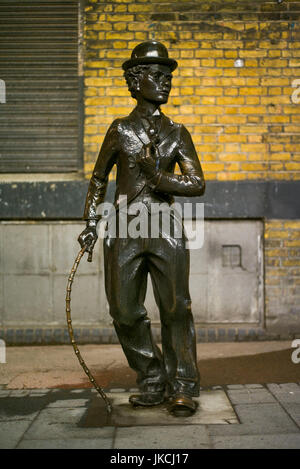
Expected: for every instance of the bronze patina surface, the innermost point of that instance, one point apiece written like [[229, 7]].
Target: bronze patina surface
[[145, 146]]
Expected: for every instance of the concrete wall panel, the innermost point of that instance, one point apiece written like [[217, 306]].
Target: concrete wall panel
[[37, 259]]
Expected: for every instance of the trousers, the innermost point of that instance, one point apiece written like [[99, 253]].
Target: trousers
[[128, 261]]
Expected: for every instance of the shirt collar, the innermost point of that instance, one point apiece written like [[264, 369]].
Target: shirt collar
[[144, 115]]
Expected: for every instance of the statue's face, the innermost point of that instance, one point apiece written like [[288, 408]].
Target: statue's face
[[155, 84]]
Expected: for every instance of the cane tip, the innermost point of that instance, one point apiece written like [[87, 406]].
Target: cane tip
[[90, 257]]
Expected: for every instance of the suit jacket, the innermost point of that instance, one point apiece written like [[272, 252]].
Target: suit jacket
[[123, 145]]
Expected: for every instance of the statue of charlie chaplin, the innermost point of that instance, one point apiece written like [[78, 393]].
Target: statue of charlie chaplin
[[145, 146]]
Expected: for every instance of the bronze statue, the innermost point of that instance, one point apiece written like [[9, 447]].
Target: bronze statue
[[145, 146]]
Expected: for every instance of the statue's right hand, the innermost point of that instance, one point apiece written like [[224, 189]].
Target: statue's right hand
[[88, 238]]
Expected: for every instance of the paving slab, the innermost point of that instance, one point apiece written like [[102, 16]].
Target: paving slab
[[77, 391], [39, 392], [257, 419], [213, 407], [284, 387], [163, 437], [70, 403], [19, 408], [287, 392], [249, 395], [12, 432], [57, 423], [293, 409], [253, 386], [235, 386], [287, 441], [65, 443], [19, 393]]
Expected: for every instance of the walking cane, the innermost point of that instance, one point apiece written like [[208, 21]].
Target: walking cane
[[71, 332]]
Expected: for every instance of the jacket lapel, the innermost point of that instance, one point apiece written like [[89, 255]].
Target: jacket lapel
[[167, 126], [138, 128]]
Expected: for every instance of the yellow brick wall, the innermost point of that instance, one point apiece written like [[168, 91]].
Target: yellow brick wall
[[282, 274], [243, 121]]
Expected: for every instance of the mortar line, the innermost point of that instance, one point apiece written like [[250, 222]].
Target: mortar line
[[210, 442], [114, 437], [232, 405], [29, 426]]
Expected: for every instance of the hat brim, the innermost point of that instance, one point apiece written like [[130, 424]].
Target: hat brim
[[150, 60]]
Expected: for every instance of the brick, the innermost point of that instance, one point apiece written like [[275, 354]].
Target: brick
[[292, 166], [120, 110], [232, 157], [253, 91], [117, 91], [119, 35], [232, 166], [126, 18], [230, 100], [98, 81], [291, 262], [294, 234], [232, 138], [102, 101], [253, 110], [139, 7], [275, 252], [213, 166], [254, 147], [120, 8], [90, 73], [187, 53], [213, 72], [231, 91], [119, 44], [186, 45], [292, 224], [207, 63], [276, 234], [209, 91], [226, 119], [208, 110], [231, 176], [230, 54], [208, 53], [292, 243]]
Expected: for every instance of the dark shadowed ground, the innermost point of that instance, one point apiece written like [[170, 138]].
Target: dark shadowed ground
[[272, 367], [219, 364]]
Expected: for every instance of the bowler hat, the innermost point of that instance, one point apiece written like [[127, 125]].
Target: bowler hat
[[150, 52]]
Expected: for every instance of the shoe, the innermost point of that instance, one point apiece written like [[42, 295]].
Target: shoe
[[182, 405], [147, 399]]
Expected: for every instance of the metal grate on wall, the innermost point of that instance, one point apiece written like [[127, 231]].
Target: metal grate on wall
[[39, 123]]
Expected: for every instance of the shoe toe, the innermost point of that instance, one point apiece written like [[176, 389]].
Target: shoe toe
[[182, 406]]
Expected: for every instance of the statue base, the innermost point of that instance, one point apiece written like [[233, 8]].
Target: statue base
[[213, 408]]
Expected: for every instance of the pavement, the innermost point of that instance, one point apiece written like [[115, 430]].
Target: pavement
[[46, 402]]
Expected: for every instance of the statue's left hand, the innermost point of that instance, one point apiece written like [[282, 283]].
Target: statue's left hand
[[147, 162]]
